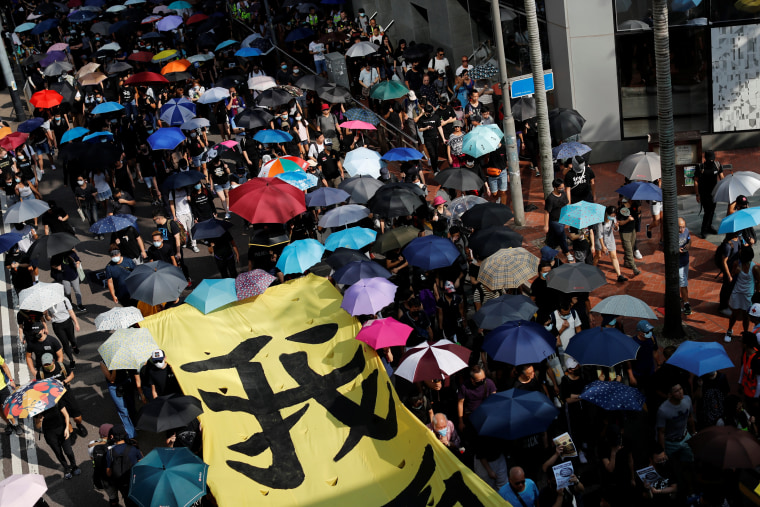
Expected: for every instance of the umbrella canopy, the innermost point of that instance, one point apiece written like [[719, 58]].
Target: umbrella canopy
[[195, 123], [22, 490], [381, 333], [482, 140], [509, 268], [169, 412], [14, 140], [641, 166], [726, 447], [311, 82], [431, 252], [300, 180], [368, 296], [177, 111], [116, 67], [524, 108], [601, 346], [488, 214], [363, 161], [582, 214], [575, 278], [395, 238], [118, 318], [432, 361], [564, 123], [210, 229], [49, 245], [733, 185], [300, 255], [41, 296], [343, 215], [166, 138], [46, 99], [30, 125], [506, 308], [739, 220], [168, 23], [141, 56], [486, 242], [24, 27], [357, 125], [459, 179], [519, 342], [391, 202], [252, 283], [354, 271], [343, 256], [326, 196], [513, 414], [127, 349], [281, 165], [403, 155], [156, 282], [362, 115], [33, 398], [267, 200], [355, 238], [613, 396], [73, 134], [168, 476], [484, 71], [147, 77], [360, 49], [182, 179], [248, 52], [361, 188], [25, 210], [641, 191], [211, 294], [9, 240], [261, 83], [179, 5], [92, 79], [226, 44], [460, 205], [700, 358], [624, 305], [273, 97], [107, 107], [388, 90], [569, 150], [253, 118], [270, 136], [333, 93]]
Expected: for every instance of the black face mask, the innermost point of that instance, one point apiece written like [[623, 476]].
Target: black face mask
[[414, 315], [479, 382]]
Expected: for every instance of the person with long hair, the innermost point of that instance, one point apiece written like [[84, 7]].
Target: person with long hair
[[604, 241]]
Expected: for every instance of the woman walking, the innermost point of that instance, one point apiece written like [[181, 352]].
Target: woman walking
[[604, 241]]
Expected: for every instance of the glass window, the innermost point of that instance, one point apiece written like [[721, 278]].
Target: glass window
[[734, 10], [632, 15]]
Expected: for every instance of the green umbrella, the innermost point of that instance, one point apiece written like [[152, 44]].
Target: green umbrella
[[388, 90], [395, 238], [127, 349], [168, 476]]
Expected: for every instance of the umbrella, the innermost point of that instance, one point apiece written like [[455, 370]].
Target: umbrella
[[196, 18], [9, 240], [226, 44], [281, 165], [213, 95], [41, 296], [343, 215], [486, 242], [575, 278], [118, 318], [460, 205], [381, 333], [641, 191], [740, 220], [519, 342], [736, 184], [195, 123], [459, 179], [508, 268], [273, 97], [52, 57], [726, 447], [4, 131], [24, 27], [300, 255], [175, 66], [210, 229], [488, 214], [298, 34], [156, 282], [368, 296], [200, 58], [431, 361], [169, 412], [523, 108], [31, 125], [166, 138], [565, 123], [747, 5], [25, 210], [93, 79], [361, 188], [56, 69], [117, 67], [58, 46], [394, 202], [14, 140], [343, 256], [359, 114], [168, 23], [82, 16], [352, 272], [253, 118], [363, 161], [267, 200], [73, 134], [357, 125], [403, 155], [230, 81], [484, 71], [261, 83], [141, 56], [570, 150], [22, 490], [388, 90], [641, 166], [300, 180], [247, 52], [210, 294], [146, 77], [33, 398], [177, 111], [481, 140], [97, 137], [31, 60], [613, 396], [700, 358], [49, 245], [624, 305], [311, 82], [360, 49], [252, 283], [513, 414], [116, 8], [179, 5], [431, 252], [601, 346], [417, 51], [326, 196], [182, 179], [168, 476], [107, 107], [634, 24], [582, 214], [333, 93], [503, 309], [44, 26], [395, 238], [354, 238], [270, 136]]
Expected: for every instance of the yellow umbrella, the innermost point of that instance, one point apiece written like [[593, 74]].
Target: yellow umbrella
[[5, 131], [88, 69], [748, 5], [92, 79], [164, 55], [175, 66]]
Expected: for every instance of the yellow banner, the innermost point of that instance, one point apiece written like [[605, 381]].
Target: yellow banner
[[297, 412]]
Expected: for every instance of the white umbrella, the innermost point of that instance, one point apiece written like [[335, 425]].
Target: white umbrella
[[344, 215], [261, 83], [127, 349], [111, 46], [641, 166], [19, 490], [363, 48], [202, 57], [363, 161], [41, 296], [25, 210], [214, 95], [428, 362], [195, 123], [246, 43], [116, 8], [624, 305], [118, 318], [633, 24], [739, 183]]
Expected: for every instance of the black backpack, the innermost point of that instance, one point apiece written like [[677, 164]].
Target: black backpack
[[99, 477], [121, 465]]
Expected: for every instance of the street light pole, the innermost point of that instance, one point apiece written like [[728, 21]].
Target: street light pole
[[510, 136], [10, 80]]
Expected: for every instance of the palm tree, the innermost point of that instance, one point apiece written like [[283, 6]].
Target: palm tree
[[673, 327], [542, 111]]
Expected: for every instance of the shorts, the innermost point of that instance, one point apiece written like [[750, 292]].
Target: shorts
[[499, 183], [197, 161], [656, 208], [304, 143], [148, 181], [5, 392], [42, 148], [683, 276], [221, 188]]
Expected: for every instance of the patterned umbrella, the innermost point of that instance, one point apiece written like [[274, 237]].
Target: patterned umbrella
[[354, 238], [113, 223], [428, 362], [460, 205], [509, 268], [381, 333], [118, 318], [569, 150], [41, 296], [361, 114], [211, 294], [127, 349], [582, 214], [177, 111], [282, 165], [300, 255], [613, 396], [485, 71], [300, 180], [368, 296], [252, 283], [33, 398], [624, 305]]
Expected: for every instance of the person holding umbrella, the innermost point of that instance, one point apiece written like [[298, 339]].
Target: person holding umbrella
[[706, 177], [54, 370]]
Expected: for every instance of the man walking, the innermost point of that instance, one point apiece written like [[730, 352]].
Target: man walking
[[674, 418], [706, 177], [65, 326], [555, 231]]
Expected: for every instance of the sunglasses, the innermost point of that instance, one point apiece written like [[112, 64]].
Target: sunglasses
[[517, 483], [436, 380]]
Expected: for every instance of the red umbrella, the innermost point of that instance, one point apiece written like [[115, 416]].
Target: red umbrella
[[267, 201], [196, 18], [431, 361], [13, 141], [141, 56], [46, 99], [74, 3], [146, 77], [726, 447]]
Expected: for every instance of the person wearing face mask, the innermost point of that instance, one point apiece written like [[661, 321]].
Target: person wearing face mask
[[146, 172], [25, 166], [59, 124], [567, 323], [472, 393], [235, 104], [55, 370], [604, 238], [544, 297], [85, 195], [641, 369], [117, 271], [283, 76], [161, 250], [445, 432]]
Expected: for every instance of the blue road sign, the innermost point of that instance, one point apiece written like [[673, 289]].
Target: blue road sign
[[523, 85]]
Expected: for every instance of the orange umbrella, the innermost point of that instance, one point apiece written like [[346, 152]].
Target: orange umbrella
[[5, 131], [176, 66]]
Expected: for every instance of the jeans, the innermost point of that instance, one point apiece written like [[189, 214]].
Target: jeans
[[680, 449], [72, 284], [556, 236], [125, 406], [64, 331], [320, 66], [90, 209]]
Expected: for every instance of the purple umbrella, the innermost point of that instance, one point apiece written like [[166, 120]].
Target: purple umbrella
[[53, 56], [168, 23], [368, 296]]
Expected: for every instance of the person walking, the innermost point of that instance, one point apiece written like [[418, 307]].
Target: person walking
[[121, 388], [726, 256], [56, 427], [747, 276], [555, 231], [627, 225], [54, 370], [64, 269], [65, 326], [706, 177], [120, 459], [117, 271], [7, 386], [604, 238], [684, 240]]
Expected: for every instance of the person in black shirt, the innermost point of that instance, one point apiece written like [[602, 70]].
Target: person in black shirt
[[162, 250], [146, 170], [411, 314], [20, 268], [157, 377], [627, 227], [54, 424], [430, 126], [413, 77], [226, 255], [706, 178], [579, 182], [555, 231], [38, 343], [54, 370], [202, 203], [122, 202], [56, 220], [330, 165], [130, 244], [85, 195]]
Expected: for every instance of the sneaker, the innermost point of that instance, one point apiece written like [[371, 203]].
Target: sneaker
[[196, 249], [637, 255], [726, 311], [77, 470], [75, 349], [227, 216], [81, 309], [570, 257], [189, 282], [582, 457], [52, 167], [649, 232], [67, 474], [728, 337], [18, 429], [636, 272], [687, 309], [81, 430], [621, 278]]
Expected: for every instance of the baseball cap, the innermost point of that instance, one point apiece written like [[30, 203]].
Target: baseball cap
[[754, 310], [105, 429], [47, 358], [441, 72], [438, 200], [32, 328], [158, 357], [644, 326], [412, 95], [449, 287], [570, 362], [548, 253], [328, 142], [578, 164]]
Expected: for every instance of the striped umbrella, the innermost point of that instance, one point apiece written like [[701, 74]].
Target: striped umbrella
[[509, 268], [177, 111], [428, 362]]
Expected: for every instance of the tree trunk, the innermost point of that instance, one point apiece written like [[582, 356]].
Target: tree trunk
[[542, 110], [673, 328]]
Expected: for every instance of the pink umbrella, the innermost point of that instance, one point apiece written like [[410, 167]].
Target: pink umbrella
[[229, 143], [429, 362], [58, 46], [381, 333], [252, 283], [357, 125]]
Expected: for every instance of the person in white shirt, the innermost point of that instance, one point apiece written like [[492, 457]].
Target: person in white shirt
[[180, 205], [567, 323], [317, 147], [439, 62], [317, 49], [465, 66], [367, 78]]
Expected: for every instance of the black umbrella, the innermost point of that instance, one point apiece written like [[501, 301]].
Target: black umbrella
[[116, 67], [402, 185], [506, 308], [152, 35], [311, 82], [333, 93], [156, 282], [354, 271], [395, 203], [230, 81], [418, 52], [182, 179], [47, 246], [395, 238], [361, 188], [343, 256], [460, 179], [211, 228], [100, 27], [524, 108], [253, 118], [485, 242], [575, 278], [487, 214], [273, 97], [72, 151], [66, 90], [565, 123], [268, 238], [169, 412], [31, 60], [44, 9], [175, 77], [57, 68], [98, 155]]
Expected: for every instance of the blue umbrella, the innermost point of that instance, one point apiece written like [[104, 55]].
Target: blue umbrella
[[513, 414], [298, 34], [601, 346], [582, 214], [569, 150], [684, 5], [96, 137], [225, 44], [117, 26], [8, 240], [247, 52], [326, 196], [166, 138], [44, 26], [403, 155], [113, 223], [519, 342], [269, 136], [82, 16], [211, 294], [177, 111], [481, 140], [74, 133], [24, 27], [365, 115], [95, 3], [613, 396], [168, 23], [350, 273], [740, 220], [300, 255], [30, 125], [107, 107], [355, 238], [179, 5], [300, 180], [210, 229], [699, 358], [431, 252], [168, 476], [641, 191], [52, 57]]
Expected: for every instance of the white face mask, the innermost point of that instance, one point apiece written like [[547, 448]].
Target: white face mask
[[116, 259], [157, 244], [80, 183]]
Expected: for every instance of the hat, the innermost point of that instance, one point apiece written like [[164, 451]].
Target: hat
[[449, 287], [325, 106], [644, 326], [625, 212], [32, 328], [441, 72], [457, 123], [579, 165], [438, 200], [624, 199], [754, 310], [570, 362], [312, 163], [115, 251], [361, 10], [47, 358], [104, 430], [548, 254], [328, 142], [412, 95], [158, 357]]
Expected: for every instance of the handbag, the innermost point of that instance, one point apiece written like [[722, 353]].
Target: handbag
[[80, 271]]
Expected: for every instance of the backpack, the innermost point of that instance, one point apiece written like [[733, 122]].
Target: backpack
[[720, 255], [182, 233], [99, 477], [121, 465]]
